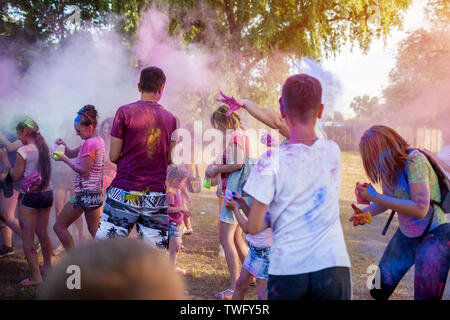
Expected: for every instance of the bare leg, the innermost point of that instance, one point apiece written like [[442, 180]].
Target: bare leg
[[59, 200], [64, 220], [262, 285], [28, 218], [240, 244], [79, 226], [6, 234], [226, 237], [242, 285], [93, 219], [174, 249], [41, 229], [7, 210], [187, 222]]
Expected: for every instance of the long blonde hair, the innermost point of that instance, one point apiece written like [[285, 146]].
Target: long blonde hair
[[219, 119], [384, 154]]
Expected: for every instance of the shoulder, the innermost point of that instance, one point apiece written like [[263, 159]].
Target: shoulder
[[94, 142], [166, 113], [417, 157], [329, 145]]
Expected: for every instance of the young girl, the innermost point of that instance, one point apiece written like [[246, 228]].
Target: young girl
[[32, 167], [62, 183], [257, 261], [88, 180], [230, 235], [410, 188], [176, 180]]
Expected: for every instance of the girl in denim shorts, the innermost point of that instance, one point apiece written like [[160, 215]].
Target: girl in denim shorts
[[257, 261]]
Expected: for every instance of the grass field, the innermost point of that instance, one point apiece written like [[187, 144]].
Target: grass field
[[207, 272]]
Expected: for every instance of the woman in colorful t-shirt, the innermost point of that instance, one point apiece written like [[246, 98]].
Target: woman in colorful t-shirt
[[409, 183], [230, 233], [88, 181]]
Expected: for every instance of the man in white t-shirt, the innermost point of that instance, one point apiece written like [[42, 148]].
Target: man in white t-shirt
[[299, 184]]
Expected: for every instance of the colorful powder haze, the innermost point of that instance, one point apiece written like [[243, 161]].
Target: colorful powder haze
[[98, 68]]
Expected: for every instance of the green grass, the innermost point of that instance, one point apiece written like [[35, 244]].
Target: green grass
[[207, 272]]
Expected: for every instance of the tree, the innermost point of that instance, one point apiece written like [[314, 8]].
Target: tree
[[365, 107], [418, 88], [255, 32]]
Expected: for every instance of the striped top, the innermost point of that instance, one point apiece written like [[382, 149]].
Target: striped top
[[95, 148]]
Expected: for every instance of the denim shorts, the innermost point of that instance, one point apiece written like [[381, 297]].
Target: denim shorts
[[36, 201], [227, 216], [257, 262]]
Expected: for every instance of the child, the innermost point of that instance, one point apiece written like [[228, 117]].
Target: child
[[88, 180], [257, 261], [176, 180], [33, 168], [299, 184]]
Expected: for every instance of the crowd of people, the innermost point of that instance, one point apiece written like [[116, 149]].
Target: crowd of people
[[287, 203]]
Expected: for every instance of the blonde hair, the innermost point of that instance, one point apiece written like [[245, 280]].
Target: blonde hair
[[175, 173], [219, 119], [384, 154], [119, 269]]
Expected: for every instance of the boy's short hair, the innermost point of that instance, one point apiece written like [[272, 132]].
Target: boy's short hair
[[301, 97], [117, 269], [152, 78]]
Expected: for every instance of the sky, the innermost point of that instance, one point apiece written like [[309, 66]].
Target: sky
[[360, 73]]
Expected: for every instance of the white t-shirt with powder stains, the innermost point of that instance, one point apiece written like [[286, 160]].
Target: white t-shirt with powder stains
[[301, 186]]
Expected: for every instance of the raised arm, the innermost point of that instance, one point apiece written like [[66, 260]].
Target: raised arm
[[10, 146], [269, 117]]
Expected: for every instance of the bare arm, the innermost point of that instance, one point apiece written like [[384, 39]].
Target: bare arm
[[10, 146], [172, 209], [416, 207], [256, 218], [172, 146], [83, 169], [19, 167], [72, 153], [241, 218], [374, 209], [267, 116], [115, 150]]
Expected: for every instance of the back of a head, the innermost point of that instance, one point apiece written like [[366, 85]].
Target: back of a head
[[117, 269], [152, 78], [301, 98]]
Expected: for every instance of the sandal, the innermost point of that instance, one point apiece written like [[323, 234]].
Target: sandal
[[225, 295], [27, 283]]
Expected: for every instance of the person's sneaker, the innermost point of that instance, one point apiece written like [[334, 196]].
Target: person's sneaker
[[6, 251]]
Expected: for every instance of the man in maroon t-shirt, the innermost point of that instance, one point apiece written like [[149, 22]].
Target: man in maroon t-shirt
[[142, 140]]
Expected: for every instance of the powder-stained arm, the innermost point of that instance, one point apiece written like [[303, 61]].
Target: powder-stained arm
[[416, 207]]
